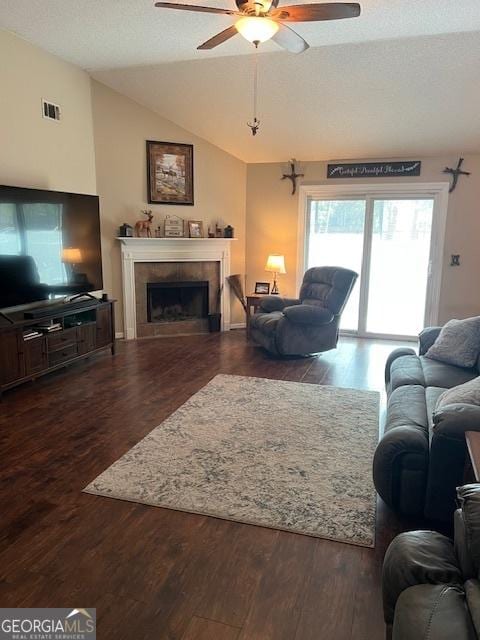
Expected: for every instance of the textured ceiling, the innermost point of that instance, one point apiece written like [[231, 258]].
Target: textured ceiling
[[100, 34], [403, 79], [385, 99]]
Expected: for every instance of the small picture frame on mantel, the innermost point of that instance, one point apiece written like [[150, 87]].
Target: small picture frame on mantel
[[195, 229]]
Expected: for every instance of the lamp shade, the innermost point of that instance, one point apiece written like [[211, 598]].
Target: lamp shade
[[256, 29], [71, 255], [275, 264]]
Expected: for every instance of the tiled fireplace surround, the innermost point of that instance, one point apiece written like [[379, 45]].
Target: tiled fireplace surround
[[172, 260], [146, 272]]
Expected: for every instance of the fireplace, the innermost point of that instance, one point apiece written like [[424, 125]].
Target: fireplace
[[177, 301], [160, 260]]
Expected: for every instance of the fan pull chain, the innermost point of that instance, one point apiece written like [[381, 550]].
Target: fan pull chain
[[256, 123]]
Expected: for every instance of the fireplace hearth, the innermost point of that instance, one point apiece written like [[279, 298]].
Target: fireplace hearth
[[177, 301]]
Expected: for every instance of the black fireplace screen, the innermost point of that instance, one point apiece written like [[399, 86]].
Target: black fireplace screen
[[176, 301]]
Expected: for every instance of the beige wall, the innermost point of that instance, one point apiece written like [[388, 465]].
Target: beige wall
[[105, 154], [121, 128], [272, 216], [35, 152]]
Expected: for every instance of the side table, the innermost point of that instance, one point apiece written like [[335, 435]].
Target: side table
[[253, 302]]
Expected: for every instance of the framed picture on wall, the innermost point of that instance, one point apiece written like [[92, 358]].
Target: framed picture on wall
[[169, 173]]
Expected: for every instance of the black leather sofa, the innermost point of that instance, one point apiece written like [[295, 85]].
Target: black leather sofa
[[420, 460], [430, 584]]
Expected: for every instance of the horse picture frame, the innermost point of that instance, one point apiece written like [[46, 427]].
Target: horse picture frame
[[169, 173]]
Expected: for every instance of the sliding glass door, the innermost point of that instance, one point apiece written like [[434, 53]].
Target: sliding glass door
[[336, 232], [387, 241]]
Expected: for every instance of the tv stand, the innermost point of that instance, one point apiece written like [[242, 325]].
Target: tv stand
[[4, 315], [63, 307], [29, 350]]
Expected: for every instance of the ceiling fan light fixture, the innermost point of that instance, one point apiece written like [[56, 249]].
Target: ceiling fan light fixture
[[256, 29]]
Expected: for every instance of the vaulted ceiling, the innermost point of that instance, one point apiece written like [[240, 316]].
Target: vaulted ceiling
[[402, 79], [384, 99]]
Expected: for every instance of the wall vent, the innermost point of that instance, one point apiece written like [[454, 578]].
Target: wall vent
[[51, 111]]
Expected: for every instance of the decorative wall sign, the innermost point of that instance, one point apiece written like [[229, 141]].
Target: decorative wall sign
[[374, 169], [169, 173]]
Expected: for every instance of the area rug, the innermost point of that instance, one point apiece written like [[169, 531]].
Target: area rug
[[284, 455]]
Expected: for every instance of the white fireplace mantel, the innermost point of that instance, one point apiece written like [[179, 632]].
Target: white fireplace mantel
[[171, 250]]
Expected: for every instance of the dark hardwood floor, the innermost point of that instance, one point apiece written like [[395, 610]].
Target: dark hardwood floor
[[154, 573]]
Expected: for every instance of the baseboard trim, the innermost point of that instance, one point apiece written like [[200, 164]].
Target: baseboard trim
[[238, 325]]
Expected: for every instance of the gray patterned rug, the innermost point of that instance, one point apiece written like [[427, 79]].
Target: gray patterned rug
[[284, 455]]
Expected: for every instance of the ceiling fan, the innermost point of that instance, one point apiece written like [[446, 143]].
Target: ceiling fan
[[261, 20]]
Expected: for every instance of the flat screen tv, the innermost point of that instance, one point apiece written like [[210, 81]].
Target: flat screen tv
[[49, 245]]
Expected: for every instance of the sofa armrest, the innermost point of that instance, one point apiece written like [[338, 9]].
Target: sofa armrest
[[396, 353], [268, 304], [433, 612], [308, 314], [472, 593], [453, 420], [400, 448], [417, 557], [427, 337], [469, 498]]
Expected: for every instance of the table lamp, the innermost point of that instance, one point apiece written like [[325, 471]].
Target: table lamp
[[275, 264]]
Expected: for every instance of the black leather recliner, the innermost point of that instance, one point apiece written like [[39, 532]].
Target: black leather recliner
[[431, 589], [307, 324]]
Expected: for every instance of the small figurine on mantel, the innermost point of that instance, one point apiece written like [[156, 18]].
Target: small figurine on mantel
[[126, 231], [143, 228]]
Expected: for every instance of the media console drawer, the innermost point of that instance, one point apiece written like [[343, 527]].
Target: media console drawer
[[62, 355], [61, 339]]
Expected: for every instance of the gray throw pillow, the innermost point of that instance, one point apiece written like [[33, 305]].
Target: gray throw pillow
[[458, 343], [467, 393]]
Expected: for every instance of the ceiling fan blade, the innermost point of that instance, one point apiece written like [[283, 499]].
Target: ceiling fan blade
[[220, 38], [290, 40], [193, 7], [317, 12]]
